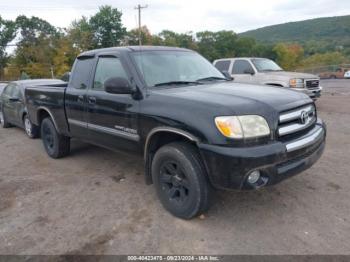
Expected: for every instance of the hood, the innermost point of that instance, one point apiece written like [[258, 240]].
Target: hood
[[291, 75], [240, 98]]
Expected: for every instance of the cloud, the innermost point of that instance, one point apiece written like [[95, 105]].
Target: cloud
[[182, 15]]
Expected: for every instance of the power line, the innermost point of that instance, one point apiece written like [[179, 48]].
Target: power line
[[139, 7]]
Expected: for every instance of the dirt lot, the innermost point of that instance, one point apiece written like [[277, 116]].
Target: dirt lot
[[95, 202]]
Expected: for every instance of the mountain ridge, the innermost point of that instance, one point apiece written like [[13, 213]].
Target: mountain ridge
[[336, 28]]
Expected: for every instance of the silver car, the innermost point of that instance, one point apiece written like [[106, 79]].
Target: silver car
[[2, 86], [266, 72]]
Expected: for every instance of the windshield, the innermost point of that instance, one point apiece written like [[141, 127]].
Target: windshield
[[263, 64], [182, 67]]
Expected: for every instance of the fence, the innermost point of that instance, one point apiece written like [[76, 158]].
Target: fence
[[329, 71]]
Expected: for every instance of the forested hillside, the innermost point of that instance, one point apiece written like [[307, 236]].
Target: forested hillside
[[335, 29]]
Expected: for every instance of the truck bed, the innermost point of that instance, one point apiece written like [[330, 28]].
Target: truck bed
[[48, 99]]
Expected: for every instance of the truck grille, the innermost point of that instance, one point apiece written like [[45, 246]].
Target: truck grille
[[296, 122], [312, 84]]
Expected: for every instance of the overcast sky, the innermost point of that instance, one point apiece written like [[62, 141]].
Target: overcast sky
[[182, 15]]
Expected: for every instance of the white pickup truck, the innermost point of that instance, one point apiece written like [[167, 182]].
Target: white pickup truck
[[266, 72]]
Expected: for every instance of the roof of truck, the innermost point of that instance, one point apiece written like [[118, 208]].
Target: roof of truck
[[133, 49], [234, 58]]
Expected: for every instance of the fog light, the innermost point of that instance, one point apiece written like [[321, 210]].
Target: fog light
[[253, 177]]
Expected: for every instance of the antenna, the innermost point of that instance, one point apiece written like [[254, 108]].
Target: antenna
[[139, 7]]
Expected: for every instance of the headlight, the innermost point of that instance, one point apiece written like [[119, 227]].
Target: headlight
[[242, 126], [296, 83]]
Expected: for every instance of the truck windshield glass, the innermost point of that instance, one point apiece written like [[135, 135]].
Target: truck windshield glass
[[263, 65], [161, 67]]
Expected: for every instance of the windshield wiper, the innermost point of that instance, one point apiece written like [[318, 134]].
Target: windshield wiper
[[212, 78], [178, 83]]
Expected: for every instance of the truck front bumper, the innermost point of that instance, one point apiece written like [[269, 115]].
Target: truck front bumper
[[312, 93], [229, 167]]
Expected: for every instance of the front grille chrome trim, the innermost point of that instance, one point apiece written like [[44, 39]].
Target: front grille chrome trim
[[309, 83], [295, 114], [304, 142], [282, 131]]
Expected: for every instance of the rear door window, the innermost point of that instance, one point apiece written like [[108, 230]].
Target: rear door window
[[240, 66], [82, 72], [223, 65]]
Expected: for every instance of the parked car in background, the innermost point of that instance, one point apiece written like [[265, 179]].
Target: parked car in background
[[13, 110], [337, 73], [266, 72], [2, 86], [347, 74]]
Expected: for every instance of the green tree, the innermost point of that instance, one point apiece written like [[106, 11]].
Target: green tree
[[170, 38], [33, 28], [64, 56], [214, 45], [7, 34], [81, 34], [36, 59], [245, 46], [132, 37], [330, 58], [107, 27], [36, 46], [289, 56]]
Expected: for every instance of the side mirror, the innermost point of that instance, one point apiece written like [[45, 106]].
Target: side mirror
[[227, 75], [118, 85], [66, 77], [249, 71]]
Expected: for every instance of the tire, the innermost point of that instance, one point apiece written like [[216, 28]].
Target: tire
[[3, 120], [31, 130], [56, 145], [180, 180]]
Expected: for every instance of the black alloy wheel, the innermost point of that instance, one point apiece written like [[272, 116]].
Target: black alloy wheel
[[180, 180]]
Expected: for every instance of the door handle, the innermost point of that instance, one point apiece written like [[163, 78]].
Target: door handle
[[81, 99], [92, 100], [14, 99]]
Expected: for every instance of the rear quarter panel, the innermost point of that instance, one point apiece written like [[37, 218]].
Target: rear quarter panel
[[49, 99]]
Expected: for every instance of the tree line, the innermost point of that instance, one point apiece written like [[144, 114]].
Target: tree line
[[44, 51]]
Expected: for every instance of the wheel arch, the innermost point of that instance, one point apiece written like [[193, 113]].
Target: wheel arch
[[42, 113], [159, 137], [24, 113]]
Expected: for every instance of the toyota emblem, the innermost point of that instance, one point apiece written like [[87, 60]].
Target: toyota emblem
[[304, 117]]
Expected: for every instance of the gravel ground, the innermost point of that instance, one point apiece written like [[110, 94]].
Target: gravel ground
[[95, 202]]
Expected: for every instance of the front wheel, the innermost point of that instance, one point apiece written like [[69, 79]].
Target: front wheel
[[180, 180], [55, 144], [31, 130]]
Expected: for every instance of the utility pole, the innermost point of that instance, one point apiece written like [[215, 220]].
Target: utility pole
[[139, 7]]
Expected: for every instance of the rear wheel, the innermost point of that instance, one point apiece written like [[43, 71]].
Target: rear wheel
[[31, 130], [180, 180], [56, 145], [3, 120]]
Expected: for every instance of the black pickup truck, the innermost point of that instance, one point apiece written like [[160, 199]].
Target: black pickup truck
[[196, 129]]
